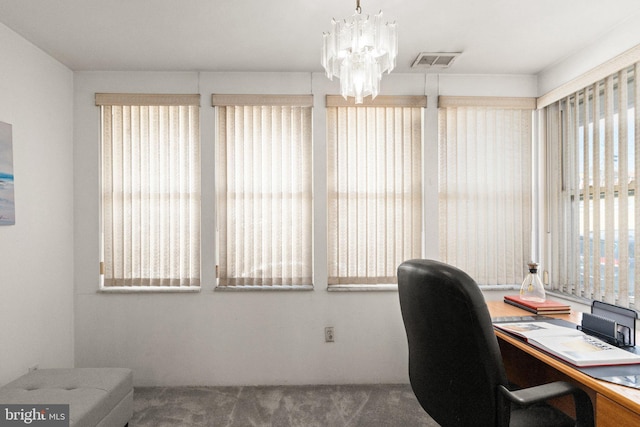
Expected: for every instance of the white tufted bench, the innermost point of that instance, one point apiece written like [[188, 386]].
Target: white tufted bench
[[96, 396]]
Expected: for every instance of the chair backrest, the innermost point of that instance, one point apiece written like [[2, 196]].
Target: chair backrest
[[455, 364]]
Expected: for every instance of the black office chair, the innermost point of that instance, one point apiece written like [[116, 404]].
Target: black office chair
[[455, 366]]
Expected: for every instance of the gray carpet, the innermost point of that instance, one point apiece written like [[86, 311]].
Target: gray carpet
[[291, 406]]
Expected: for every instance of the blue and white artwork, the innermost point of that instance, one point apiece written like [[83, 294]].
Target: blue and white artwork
[[7, 205]]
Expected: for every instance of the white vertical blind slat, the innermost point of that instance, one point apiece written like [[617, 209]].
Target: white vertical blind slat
[[636, 127], [623, 192], [598, 150], [609, 199], [587, 203], [575, 194]]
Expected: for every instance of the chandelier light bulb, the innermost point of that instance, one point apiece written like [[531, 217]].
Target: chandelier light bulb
[[358, 50]]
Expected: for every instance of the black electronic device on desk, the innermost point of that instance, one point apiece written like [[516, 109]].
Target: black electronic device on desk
[[616, 325], [611, 323]]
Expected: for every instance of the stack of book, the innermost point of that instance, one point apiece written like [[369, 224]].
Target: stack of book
[[548, 307]]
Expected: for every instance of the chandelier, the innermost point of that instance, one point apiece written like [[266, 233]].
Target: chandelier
[[357, 51]]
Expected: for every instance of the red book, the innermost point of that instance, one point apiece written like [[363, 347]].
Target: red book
[[546, 307]]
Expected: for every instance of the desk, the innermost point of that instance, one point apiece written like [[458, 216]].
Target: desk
[[614, 405]]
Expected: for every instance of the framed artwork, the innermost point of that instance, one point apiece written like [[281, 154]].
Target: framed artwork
[[7, 205]]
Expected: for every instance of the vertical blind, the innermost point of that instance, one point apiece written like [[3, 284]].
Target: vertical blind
[[263, 175], [593, 153], [150, 190], [374, 188], [485, 186]]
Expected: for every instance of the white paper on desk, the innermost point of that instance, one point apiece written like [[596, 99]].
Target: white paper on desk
[[584, 350], [529, 330]]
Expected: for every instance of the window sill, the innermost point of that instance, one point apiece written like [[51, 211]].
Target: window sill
[[394, 287], [568, 297], [500, 287], [362, 288], [149, 289], [263, 288]]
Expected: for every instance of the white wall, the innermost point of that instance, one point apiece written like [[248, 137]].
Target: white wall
[[235, 338], [36, 254]]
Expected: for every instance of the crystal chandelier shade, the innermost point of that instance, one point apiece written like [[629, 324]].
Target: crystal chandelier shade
[[358, 50]]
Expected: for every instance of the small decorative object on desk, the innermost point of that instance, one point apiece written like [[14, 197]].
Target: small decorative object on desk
[[532, 289]]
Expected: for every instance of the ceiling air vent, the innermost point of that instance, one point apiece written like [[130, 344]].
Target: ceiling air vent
[[435, 60]]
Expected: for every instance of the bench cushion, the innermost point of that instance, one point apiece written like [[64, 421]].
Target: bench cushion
[[92, 393]]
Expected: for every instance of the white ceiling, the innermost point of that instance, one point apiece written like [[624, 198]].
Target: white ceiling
[[495, 36]]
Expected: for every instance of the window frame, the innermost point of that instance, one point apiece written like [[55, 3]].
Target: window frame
[[262, 100], [593, 116], [395, 104], [517, 118], [103, 100]]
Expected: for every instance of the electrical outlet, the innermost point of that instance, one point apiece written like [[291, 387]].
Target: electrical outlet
[[329, 335]]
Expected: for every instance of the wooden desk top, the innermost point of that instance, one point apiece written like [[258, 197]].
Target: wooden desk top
[[626, 396]]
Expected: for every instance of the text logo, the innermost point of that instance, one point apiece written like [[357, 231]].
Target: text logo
[[34, 415]]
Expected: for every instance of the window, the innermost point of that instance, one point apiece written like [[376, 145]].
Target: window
[[263, 183], [374, 188], [485, 186], [150, 191], [593, 149]]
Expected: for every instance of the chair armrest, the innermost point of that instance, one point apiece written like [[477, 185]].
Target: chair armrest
[[541, 393]]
